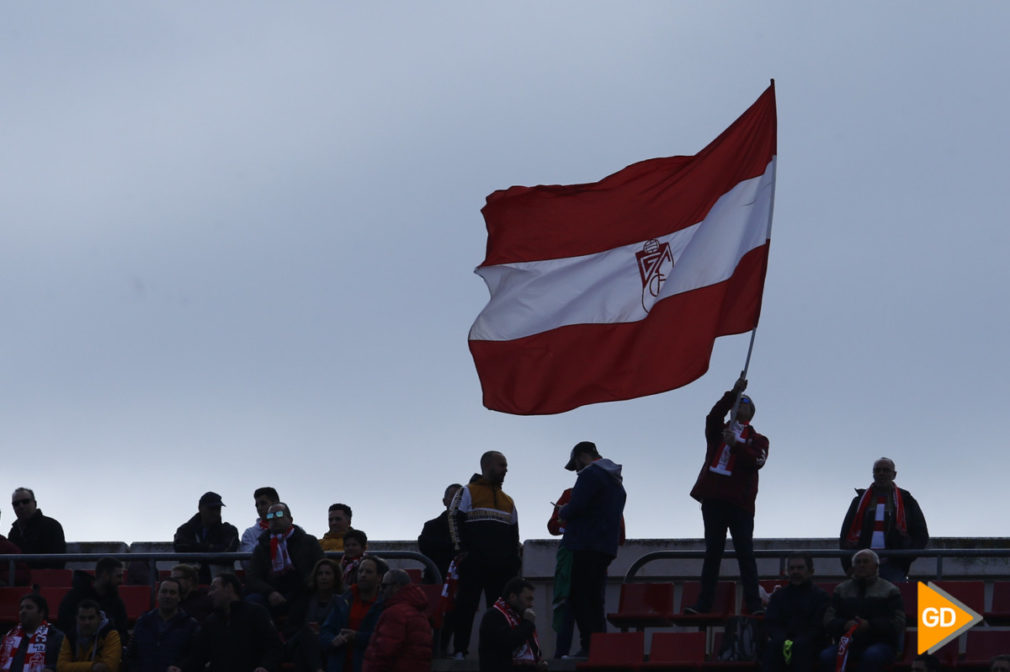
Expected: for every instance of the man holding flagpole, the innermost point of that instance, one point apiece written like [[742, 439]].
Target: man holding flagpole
[[727, 487]]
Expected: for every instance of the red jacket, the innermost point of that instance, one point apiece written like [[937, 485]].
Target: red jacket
[[741, 487], [402, 640]]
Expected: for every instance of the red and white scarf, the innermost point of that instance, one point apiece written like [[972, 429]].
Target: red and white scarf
[[722, 462], [524, 654], [35, 655], [349, 569], [843, 649], [280, 560], [856, 528]]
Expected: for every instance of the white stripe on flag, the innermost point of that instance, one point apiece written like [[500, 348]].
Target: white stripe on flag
[[533, 297]]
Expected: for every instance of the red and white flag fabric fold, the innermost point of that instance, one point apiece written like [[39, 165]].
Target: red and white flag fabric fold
[[618, 289]]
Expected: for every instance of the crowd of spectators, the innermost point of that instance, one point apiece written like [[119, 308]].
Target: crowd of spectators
[[290, 603]]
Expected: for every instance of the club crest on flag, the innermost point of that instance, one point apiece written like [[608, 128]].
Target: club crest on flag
[[655, 262]]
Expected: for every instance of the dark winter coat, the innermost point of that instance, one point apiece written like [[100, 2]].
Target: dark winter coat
[[498, 640], [239, 641], [39, 534], [153, 649], [84, 589], [875, 600], [797, 613], [918, 533], [305, 552]]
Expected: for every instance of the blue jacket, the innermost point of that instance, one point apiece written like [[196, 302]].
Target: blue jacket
[[593, 516], [336, 621]]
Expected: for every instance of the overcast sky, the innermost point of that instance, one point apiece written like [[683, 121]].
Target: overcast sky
[[238, 246]]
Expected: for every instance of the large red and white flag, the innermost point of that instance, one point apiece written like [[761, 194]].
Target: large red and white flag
[[618, 289]]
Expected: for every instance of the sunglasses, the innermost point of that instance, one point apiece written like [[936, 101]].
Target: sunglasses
[[275, 514], [20, 502]]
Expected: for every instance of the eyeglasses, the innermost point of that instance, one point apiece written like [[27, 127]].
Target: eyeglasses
[[21, 502], [275, 514]]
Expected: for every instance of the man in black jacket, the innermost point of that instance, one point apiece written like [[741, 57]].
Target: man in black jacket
[[206, 533], [34, 533], [435, 541], [282, 562], [794, 620], [238, 637], [103, 588], [508, 634], [884, 517]]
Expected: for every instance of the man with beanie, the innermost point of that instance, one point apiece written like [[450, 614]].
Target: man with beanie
[[592, 522], [727, 487]]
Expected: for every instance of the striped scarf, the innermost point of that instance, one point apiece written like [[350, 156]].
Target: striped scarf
[[528, 653], [280, 560], [900, 521], [35, 655]]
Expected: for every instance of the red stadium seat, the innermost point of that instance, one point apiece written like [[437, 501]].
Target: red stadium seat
[[981, 645], [10, 601], [676, 651], [52, 577], [723, 605], [1000, 612], [643, 605], [137, 600], [615, 651], [971, 593]]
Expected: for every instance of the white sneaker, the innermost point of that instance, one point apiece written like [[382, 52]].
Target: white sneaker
[[459, 655]]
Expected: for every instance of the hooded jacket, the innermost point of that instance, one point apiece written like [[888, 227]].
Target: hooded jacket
[[593, 515], [78, 654], [401, 641]]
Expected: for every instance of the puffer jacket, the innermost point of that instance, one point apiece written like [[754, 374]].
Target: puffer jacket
[[873, 599], [402, 638]]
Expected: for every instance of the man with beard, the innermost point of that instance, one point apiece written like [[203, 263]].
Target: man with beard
[[239, 636], [34, 645], [508, 633], [283, 561], [484, 527]]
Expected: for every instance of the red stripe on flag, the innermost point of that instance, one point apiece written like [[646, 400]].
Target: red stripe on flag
[[646, 200], [571, 366]]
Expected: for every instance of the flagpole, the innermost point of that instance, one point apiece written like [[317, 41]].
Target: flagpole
[[768, 234]]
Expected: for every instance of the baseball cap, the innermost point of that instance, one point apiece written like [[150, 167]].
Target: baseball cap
[[211, 499], [582, 447]]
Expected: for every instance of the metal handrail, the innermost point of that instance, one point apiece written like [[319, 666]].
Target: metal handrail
[[13, 559], [782, 554]]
